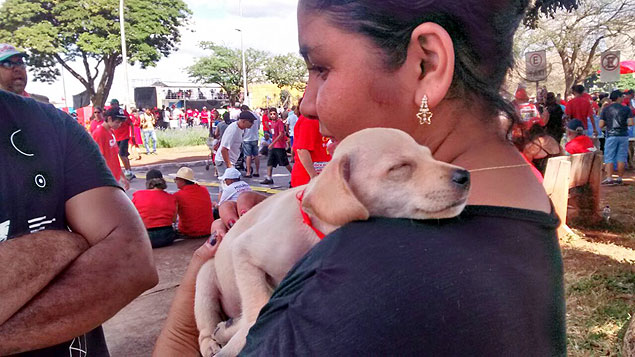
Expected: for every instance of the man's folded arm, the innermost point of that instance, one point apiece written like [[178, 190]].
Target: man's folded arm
[[116, 268]]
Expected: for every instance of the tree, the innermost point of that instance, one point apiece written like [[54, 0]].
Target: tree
[[547, 8], [224, 67], [62, 31], [578, 37], [287, 71]]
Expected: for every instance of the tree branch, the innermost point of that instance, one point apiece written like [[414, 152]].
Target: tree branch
[[72, 71]]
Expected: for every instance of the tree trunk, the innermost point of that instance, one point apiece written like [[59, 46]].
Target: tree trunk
[[105, 83]]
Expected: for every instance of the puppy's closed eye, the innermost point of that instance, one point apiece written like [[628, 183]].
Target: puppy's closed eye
[[400, 172]]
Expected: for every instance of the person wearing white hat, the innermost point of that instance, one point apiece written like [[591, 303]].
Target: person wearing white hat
[[13, 75], [194, 206], [234, 186]]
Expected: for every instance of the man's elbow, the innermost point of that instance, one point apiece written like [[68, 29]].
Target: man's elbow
[[138, 260]]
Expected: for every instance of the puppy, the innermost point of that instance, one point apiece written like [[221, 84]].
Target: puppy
[[374, 172]]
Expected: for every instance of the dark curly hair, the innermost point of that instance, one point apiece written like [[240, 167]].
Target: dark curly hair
[[156, 183], [482, 33]]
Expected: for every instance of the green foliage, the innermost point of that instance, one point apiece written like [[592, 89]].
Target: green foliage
[[62, 31], [171, 138], [627, 81], [287, 71], [224, 67]]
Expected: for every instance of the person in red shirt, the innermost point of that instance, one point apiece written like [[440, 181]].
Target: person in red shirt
[[157, 209], [581, 108], [96, 119], [122, 134], [277, 148], [266, 123], [205, 116], [578, 142], [194, 206], [309, 147], [105, 139]]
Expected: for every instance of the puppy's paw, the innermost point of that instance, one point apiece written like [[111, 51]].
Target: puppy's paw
[[225, 330], [207, 345]]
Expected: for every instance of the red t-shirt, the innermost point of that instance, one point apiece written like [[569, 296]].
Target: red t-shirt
[[94, 124], [157, 208], [306, 135], [123, 132], [627, 103], [580, 108], [266, 123], [108, 146], [195, 210], [278, 128], [579, 145]]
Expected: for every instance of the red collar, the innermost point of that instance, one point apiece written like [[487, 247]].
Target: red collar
[[305, 217]]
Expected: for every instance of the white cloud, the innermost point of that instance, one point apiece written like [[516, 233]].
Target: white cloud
[[269, 25]]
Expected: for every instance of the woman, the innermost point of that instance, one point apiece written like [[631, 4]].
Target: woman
[[552, 116], [538, 147], [157, 209], [136, 134], [486, 283], [96, 119]]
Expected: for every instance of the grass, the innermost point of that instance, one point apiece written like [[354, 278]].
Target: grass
[[600, 288], [171, 138]]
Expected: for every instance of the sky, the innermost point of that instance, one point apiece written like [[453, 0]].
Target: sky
[[269, 25]]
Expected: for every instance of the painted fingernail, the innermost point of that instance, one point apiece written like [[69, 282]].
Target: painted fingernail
[[231, 223], [243, 212], [212, 242]]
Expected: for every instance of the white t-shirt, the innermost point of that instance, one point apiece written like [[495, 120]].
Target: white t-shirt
[[232, 139], [253, 133], [231, 192], [291, 120]]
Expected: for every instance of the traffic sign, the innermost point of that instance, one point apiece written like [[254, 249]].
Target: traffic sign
[[536, 69], [610, 67]]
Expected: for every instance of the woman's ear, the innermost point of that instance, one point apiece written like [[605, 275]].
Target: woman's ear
[[431, 55]]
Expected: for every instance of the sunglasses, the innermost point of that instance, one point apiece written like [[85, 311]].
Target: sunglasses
[[12, 65]]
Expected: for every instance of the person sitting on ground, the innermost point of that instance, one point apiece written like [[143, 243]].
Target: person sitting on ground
[[105, 139], [578, 142], [157, 209], [194, 206], [538, 147], [234, 186], [264, 144]]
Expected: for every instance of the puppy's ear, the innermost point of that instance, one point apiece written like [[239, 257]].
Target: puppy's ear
[[330, 198]]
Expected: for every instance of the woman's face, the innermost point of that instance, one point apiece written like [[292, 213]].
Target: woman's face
[[349, 88]]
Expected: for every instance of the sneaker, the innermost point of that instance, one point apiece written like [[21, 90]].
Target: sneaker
[[267, 182], [256, 175], [619, 181], [247, 176], [130, 176], [608, 182]]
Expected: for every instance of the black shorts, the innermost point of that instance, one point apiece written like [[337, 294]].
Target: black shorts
[[277, 156], [123, 148]]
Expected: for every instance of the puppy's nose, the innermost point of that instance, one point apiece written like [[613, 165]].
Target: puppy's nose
[[461, 178]]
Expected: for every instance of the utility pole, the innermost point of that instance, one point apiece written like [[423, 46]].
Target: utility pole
[[242, 48], [124, 53]]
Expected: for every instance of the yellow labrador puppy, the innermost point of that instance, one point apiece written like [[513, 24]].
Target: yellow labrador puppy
[[374, 172]]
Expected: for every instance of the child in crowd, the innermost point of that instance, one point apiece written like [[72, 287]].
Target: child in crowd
[[264, 144], [578, 142], [234, 186]]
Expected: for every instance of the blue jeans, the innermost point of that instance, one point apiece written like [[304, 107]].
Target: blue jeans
[[147, 134], [161, 236]]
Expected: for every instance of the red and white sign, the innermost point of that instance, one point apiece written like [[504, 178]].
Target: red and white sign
[[610, 67]]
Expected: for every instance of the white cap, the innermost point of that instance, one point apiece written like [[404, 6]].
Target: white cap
[[231, 173]]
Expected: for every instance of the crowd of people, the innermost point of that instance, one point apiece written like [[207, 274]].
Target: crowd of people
[[552, 127], [381, 286]]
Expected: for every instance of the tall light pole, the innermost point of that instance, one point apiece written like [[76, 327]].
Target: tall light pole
[[242, 49], [124, 53]]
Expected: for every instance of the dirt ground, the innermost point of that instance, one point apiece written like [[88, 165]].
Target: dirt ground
[[179, 154]]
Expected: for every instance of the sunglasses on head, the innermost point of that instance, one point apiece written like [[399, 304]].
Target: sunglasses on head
[[12, 65]]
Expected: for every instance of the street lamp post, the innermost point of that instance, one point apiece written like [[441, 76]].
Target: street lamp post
[[124, 53], [242, 49]]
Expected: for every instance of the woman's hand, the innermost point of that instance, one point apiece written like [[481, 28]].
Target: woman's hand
[[179, 336]]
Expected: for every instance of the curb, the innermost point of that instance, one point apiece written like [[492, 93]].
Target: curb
[[269, 191], [168, 165]]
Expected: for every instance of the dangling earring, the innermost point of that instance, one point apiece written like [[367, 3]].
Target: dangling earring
[[425, 114]]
